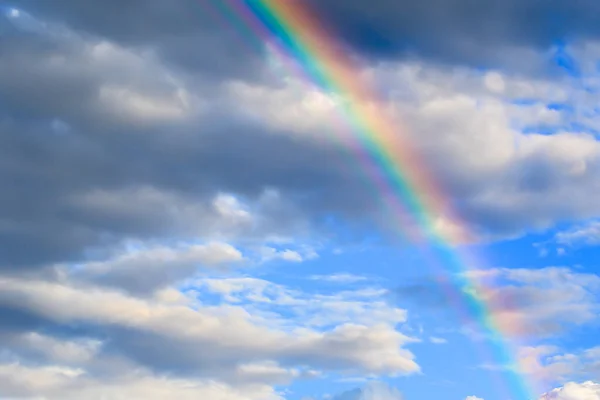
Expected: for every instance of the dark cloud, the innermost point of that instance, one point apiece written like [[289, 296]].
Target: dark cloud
[[98, 147], [62, 149], [458, 31], [190, 34], [85, 166]]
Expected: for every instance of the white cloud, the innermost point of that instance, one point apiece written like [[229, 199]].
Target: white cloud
[[473, 398], [551, 364], [296, 254], [341, 278], [209, 337], [230, 208], [545, 364], [267, 254], [437, 340], [367, 306], [55, 383], [53, 350], [468, 128], [154, 97], [464, 124], [587, 234], [575, 391], [534, 303], [123, 100], [285, 107]]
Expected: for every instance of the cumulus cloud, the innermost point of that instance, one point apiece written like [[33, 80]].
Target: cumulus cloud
[[209, 338], [480, 138], [138, 156], [147, 174], [572, 390]]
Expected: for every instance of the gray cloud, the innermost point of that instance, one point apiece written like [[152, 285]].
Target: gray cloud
[[79, 173], [371, 391], [171, 337], [145, 271], [184, 33], [139, 148], [152, 122], [489, 34], [481, 34]]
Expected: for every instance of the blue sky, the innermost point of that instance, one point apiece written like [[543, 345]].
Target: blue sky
[[178, 220]]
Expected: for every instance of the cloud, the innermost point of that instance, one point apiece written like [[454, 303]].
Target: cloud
[[270, 253], [546, 364], [372, 391], [233, 156], [505, 34], [146, 270], [177, 337], [552, 364], [341, 278], [174, 32], [473, 398], [496, 34], [587, 234], [572, 390], [363, 305], [478, 137], [23, 382], [83, 338], [140, 159], [537, 303], [474, 145], [133, 169], [437, 340]]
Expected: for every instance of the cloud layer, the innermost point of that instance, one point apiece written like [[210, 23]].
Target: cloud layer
[[147, 174]]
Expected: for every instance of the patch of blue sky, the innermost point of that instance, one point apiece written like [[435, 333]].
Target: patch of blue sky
[[564, 107], [8, 10], [22, 20], [397, 267], [565, 61], [545, 129], [524, 101]]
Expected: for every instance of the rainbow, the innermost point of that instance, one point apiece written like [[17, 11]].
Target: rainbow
[[390, 161]]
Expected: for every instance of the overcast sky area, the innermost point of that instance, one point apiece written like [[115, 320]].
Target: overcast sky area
[[184, 215]]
